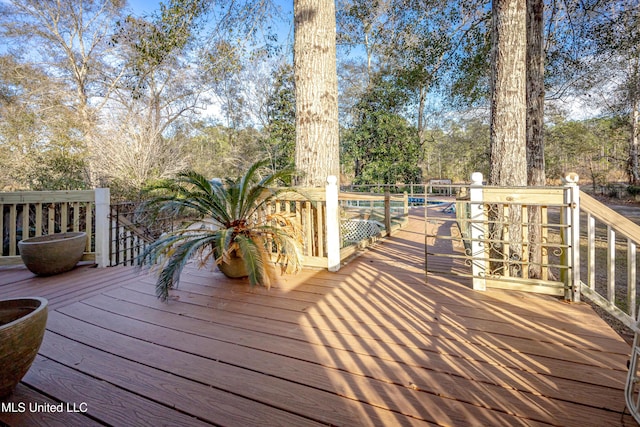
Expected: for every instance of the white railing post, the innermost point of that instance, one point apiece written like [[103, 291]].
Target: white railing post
[[333, 224], [572, 236], [477, 232], [103, 205]]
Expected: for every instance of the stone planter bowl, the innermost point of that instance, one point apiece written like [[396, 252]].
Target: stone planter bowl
[[22, 324], [53, 253], [234, 269]]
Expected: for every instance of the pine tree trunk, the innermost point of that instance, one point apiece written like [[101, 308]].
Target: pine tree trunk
[[508, 123], [316, 87], [508, 100], [535, 127], [634, 169]]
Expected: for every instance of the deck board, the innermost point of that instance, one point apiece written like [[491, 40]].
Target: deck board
[[374, 344], [112, 405]]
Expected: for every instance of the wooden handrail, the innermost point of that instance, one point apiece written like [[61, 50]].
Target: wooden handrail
[[609, 217], [23, 197], [44, 212]]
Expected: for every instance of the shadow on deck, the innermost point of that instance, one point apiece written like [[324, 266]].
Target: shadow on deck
[[373, 344]]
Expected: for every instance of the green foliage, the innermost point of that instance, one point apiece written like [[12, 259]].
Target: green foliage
[[217, 151], [470, 82], [233, 219], [153, 41], [383, 148], [56, 170], [458, 151], [633, 190], [595, 149], [281, 119]]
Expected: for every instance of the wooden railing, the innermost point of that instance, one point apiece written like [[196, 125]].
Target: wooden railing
[[587, 248], [36, 213], [117, 239], [609, 266], [308, 208], [610, 272], [379, 214], [497, 229]]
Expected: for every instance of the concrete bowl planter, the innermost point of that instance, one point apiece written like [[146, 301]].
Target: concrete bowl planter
[[22, 325], [235, 268], [53, 253]]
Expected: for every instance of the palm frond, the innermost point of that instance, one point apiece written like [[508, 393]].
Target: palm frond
[[243, 224], [252, 251], [172, 252]]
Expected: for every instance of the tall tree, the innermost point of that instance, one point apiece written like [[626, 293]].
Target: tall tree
[[535, 126], [381, 145], [508, 119], [281, 119], [362, 23], [69, 36], [316, 86], [535, 93], [41, 145], [508, 94], [616, 33]]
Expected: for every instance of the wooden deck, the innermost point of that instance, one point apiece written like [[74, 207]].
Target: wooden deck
[[371, 345]]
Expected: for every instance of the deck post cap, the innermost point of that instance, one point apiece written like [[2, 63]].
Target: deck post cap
[[476, 178], [571, 178]]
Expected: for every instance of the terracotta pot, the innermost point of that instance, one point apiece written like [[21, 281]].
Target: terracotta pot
[[22, 324], [234, 269], [53, 253]]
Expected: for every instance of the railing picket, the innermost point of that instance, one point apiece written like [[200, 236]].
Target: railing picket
[[12, 229], [320, 233], [631, 278], [38, 223], [544, 218], [1, 230], [89, 222], [25, 221], [76, 216], [64, 217], [524, 214], [308, 228], [591, 251], [611, 265], [51, 218]]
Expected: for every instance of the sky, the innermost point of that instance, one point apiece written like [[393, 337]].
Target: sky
[[285, 29], [576, 109]]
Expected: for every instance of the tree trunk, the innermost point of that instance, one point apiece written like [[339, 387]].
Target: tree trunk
[[535, 127], [316, 87], [508, 97], [422, 101], [634, 169], [508, 125]]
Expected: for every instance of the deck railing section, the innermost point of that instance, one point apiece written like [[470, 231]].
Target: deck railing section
[[35, 213], [361, 219], [306, 208], [609, 263], [496, 226]]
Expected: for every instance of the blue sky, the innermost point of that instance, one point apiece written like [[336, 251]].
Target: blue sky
[[285, 26], [141, 6]]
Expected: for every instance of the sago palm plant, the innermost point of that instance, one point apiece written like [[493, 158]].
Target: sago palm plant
[[234, 223]]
